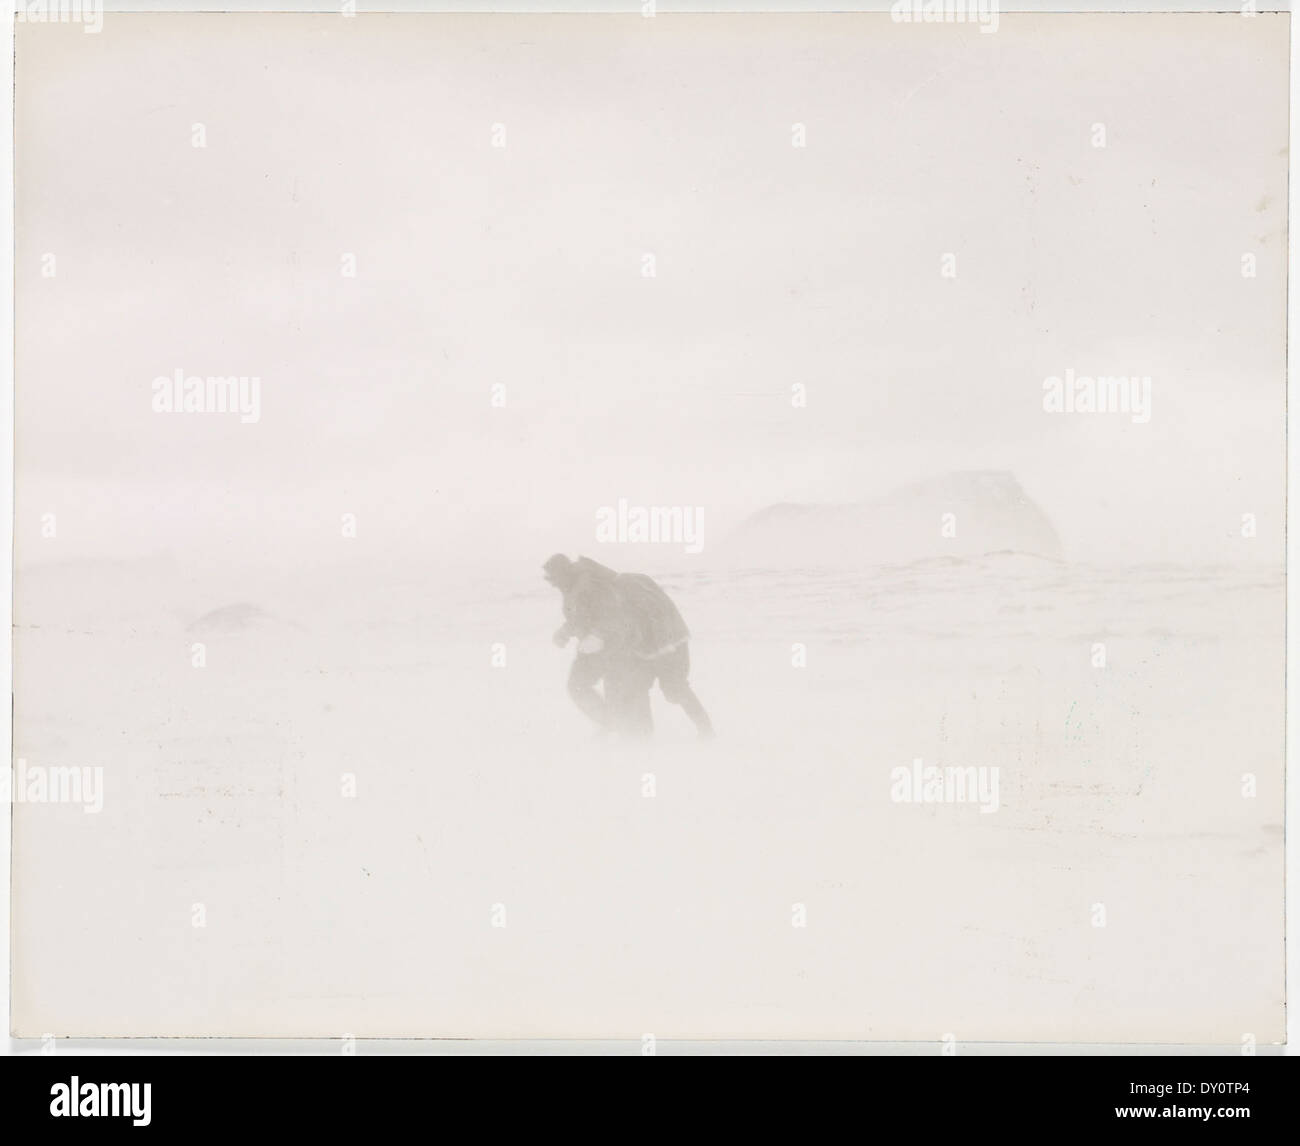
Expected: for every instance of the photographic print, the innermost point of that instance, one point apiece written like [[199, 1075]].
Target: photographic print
[[647, 526]]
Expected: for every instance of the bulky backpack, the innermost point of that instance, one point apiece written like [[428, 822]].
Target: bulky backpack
[[659, 626]]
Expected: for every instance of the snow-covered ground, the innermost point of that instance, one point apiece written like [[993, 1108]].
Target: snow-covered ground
[[482, 798]]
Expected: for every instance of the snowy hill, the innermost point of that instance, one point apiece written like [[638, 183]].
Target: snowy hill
[[962, 514]]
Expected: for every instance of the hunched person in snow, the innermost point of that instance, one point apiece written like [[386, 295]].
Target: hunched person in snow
[[629, 634]]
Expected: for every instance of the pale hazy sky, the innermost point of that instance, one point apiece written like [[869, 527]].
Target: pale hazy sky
[[521, 265]]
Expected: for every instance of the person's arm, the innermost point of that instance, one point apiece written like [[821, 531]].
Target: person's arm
[[579, 619], [595, 618], [573, 622]]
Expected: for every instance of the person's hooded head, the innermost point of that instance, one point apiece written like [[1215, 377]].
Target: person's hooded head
[[558, 571]]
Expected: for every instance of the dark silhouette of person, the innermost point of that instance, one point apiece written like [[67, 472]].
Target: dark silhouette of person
[[630, 634], [593, 614]]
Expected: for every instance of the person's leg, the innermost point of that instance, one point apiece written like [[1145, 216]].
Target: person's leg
[[585, 674], [627, 692], [640, 676], [674, 670]]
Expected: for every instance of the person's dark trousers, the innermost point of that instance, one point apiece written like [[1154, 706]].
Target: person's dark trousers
[[586, 673], [627, 695], [673, 670]]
